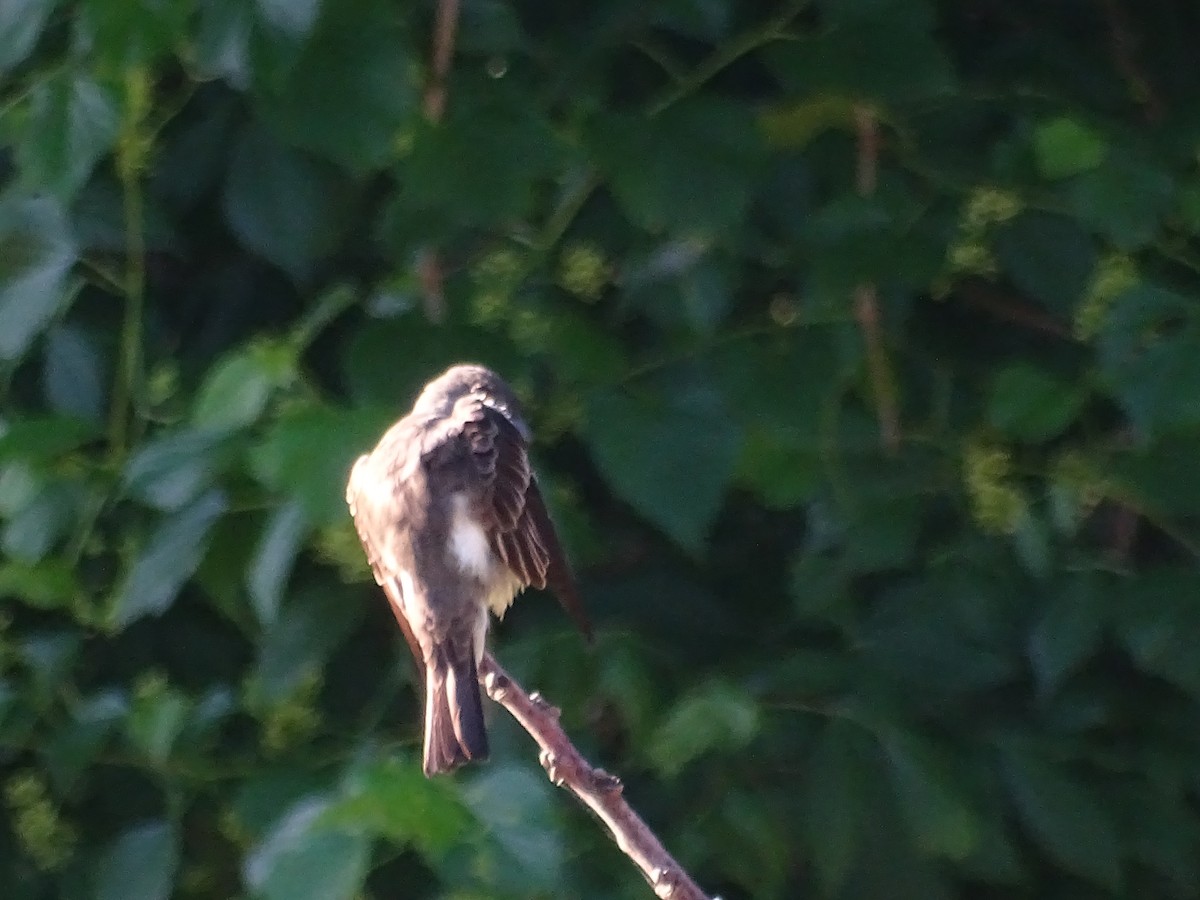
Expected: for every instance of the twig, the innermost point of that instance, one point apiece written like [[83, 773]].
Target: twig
[[995, 302], [599, 791], [429, 264], [131, 160], [866, 297], [774, 29], [445, 27], [1123, 44]]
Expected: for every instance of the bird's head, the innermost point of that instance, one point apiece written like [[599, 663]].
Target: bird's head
[[466, 380]]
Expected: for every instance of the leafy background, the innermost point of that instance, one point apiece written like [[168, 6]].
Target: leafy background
[[862, 344]]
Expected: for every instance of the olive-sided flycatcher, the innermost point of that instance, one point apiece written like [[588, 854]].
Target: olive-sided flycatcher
[[450, 515]]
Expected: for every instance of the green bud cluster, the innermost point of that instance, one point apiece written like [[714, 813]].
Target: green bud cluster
[[996, 504], [583, 271], [295, 719], [1114, 275], [969, 253], [45, 837]]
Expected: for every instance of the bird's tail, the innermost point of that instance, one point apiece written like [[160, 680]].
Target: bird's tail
[[454, 729]]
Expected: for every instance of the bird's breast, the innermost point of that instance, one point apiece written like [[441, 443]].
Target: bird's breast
[[469, 548]]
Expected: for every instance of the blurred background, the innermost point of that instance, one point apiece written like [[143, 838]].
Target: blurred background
[[861, 343]]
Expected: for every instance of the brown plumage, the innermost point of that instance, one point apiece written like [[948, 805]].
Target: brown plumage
[[453, 523]]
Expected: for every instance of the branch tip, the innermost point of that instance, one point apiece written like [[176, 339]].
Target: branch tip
[[599, 791]]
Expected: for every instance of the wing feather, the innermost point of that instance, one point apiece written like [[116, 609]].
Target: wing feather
[[519, 527]]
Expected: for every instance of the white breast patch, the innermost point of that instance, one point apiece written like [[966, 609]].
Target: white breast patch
[[468, 542]]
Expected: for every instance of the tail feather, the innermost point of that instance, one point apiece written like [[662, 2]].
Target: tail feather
[[454, 728]]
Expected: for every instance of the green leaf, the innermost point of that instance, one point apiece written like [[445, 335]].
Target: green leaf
[[48, 584], [21, 23], [691, 169], [836, 811], [1064, 817], [154, 580], [670, 457], [140, 864], [281, 205], [273, 560], [156, 720], [49, 657], [753, 839], [1165, 833], [221, 43], [1065, 146], [942, 820], [31, 533], [1147, 356], [715, 716], [297, 644], [172, 469], [257, 802], [1049, 257], [517, 809], [897, 36], [234, 393], [308, 455], [73, 122], [73, 374], [73, 748], [1028, 403], [120, 36], [36, 255], [292, 18], [1068, 631], [1155, 622], [781, 467], [1031, 541], [351, 91], [882, 533], [1188, 205], [483, 163], [1125, 200], [390, 797], [42, 438], [303, 858]]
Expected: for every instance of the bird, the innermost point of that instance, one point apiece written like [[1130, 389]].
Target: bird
[[453, 523]]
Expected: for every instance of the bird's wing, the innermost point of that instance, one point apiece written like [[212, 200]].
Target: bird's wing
[[389, 581], [516, 520]]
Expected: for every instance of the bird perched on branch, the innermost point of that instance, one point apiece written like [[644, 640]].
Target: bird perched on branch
[[453, 524]]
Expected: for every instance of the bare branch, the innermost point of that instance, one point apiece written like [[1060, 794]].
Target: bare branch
[[445, 27], [444, 30], [866, 296], [601, 792]]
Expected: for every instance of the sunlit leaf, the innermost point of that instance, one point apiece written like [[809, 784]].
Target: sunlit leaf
[[140, 864], [1064, 146], [670, 457], [1065, 818], [273, 560], [303, 859], [73, 122], [21, 21], [717, 716], [167, 561], [282, 205], [943, 821], [73, 374], [36, 255]]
